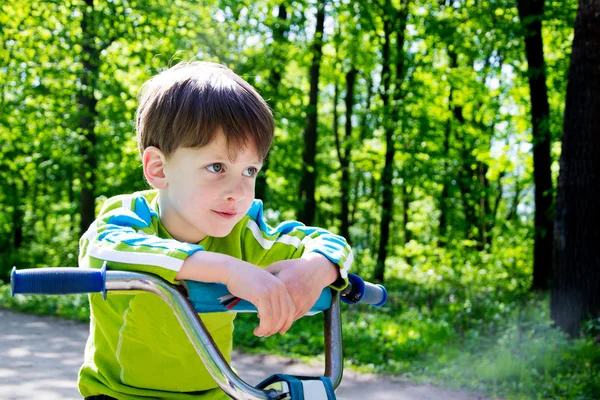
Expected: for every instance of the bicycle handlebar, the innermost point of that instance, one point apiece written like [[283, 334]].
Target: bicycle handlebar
[[205, 297]]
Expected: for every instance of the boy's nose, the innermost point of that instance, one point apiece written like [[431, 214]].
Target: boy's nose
[[236, 192]]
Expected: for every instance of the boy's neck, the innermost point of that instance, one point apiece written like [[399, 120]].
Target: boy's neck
[[175, 225]]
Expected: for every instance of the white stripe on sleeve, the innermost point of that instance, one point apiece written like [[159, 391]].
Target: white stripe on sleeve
[[127, 257], [266, 243]]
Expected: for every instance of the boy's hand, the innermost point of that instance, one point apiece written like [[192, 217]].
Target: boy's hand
[[305, 279], [247, 281], [275, 307]]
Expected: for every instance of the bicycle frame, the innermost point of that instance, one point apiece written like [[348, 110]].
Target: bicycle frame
[[121, 282]]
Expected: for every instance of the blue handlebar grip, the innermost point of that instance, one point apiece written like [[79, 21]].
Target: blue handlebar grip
[[375, 295], [58, 281], [364, 292]]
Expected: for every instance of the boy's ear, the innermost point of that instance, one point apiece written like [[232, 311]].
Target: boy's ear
[[154, 161]]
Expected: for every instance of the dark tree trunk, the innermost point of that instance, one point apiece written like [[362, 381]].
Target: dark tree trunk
[[357, 189], [406, 200], [306, 213], [394, 19], [465, 182], [445, 195], [346, 155], [364, 127], [87, 120], [467, 178], [497, 199], [279, 35], [484, 212], [531, 13], [387, 175], [576, 280]]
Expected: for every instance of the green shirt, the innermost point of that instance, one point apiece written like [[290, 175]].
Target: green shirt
[[136, 346]]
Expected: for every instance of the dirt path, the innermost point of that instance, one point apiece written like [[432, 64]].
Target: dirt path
[[40, 357]]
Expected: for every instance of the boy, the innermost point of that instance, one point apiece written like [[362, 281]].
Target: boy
[[203, 133]]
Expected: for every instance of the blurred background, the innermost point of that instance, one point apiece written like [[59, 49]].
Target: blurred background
[[426, 132]]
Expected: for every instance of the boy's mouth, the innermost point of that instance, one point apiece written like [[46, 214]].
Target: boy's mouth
[[228, 215]]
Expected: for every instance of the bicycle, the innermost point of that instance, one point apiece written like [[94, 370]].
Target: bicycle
[[191, 298]]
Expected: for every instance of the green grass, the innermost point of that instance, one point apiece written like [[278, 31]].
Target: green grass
[[493, 342]]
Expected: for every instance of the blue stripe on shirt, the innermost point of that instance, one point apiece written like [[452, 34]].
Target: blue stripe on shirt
[[143, 210], [256, 213]]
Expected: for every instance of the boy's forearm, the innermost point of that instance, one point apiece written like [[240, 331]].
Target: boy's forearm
[[328, 271], [205, 266]]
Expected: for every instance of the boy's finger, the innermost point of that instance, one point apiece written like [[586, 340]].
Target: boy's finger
[[281, 311], [264, 309], [290, 316], [275, 317]]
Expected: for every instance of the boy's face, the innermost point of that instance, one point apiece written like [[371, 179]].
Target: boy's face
[[206, 193]]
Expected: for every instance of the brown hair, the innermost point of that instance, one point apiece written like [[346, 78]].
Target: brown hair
[[188, 104]]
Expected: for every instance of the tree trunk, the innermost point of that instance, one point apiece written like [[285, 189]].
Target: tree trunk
[[466, 178], [346, 156], [387, 175], [531, 14], [576, 280], [392, 19], [306, 213], [484, 209], [279, 33], [445, 195], [87, 120], [365, 132], [357, 190]]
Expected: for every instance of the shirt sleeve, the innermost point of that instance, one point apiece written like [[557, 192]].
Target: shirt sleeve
[[125, 235], [263, 245]]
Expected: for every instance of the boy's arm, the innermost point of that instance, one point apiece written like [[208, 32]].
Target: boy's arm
[[244, 280], [125, 235], [263, 245], [306, 259]]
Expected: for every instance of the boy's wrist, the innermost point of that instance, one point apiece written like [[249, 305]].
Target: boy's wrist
[[325, 269]]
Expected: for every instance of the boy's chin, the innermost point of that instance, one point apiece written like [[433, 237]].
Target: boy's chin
[[219, 233]]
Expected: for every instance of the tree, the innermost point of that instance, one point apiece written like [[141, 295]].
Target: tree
[[306, 213], [280, 30], [576, 280], [87, 120], [531, 13], [393, 20]]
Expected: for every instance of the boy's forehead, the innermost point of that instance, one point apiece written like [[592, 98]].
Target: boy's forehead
[[220, 151]]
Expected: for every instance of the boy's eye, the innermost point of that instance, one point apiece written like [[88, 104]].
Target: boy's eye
[[250, 171], [216, 167]]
